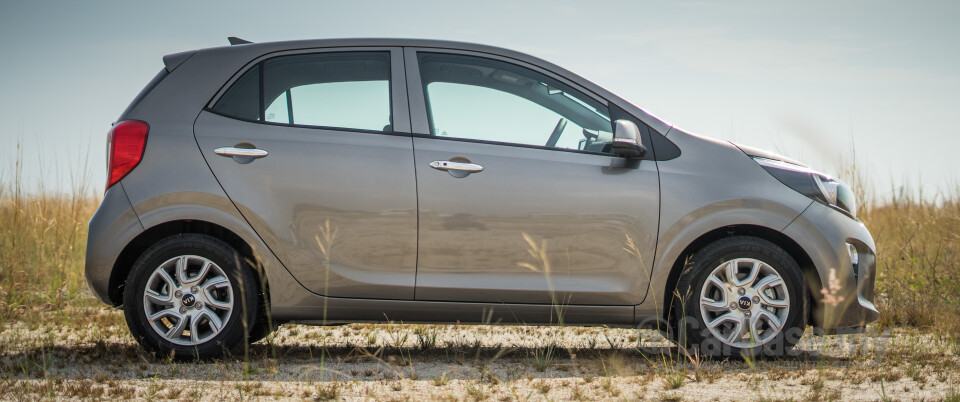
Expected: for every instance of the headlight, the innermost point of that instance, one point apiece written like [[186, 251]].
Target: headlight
[[813, 184]]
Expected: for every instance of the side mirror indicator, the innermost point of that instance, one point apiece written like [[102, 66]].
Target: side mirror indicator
[[626, 139]]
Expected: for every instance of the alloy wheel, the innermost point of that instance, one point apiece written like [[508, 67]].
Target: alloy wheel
[[188, 300], [744, 303]]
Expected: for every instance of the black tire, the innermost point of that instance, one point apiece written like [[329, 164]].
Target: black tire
[[688, 320], [237, 323], [262, 328]]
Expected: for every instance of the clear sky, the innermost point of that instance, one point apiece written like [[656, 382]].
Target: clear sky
[[812, 80]]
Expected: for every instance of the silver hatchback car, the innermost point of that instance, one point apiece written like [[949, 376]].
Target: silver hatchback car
[[372, 180]]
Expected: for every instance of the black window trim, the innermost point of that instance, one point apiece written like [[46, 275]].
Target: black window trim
[[513, 144], [330, 128]]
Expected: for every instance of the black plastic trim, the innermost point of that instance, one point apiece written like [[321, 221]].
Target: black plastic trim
[[660, 148], [513, 144], [268, 123], [237, 41]]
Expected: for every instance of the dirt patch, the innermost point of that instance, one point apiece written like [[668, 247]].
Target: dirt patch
[[490, 362]]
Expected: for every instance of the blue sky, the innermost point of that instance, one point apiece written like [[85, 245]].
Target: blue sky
[[812, 80]]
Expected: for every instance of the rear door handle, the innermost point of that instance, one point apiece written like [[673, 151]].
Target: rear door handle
[[248, 152], [458, 166]]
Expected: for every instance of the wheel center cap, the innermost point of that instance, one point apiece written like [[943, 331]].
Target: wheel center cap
[[189, 299], [744, 303]]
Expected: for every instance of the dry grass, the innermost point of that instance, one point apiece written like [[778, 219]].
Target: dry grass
[[42, 243], [918, 253], [56, 340]]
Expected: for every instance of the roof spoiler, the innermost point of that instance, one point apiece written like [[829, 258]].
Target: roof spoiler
[[237, 41], [172, 61]]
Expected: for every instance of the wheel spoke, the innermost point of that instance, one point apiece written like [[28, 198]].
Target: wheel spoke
[[204, 270], [767, 282], [177, 330], [754, 331], [733, 266], [215, 283], [199, 276], [712, 279], [769, 317], [219, 304], [169, 312], [752, 275], [212, 319], [194, 331], [182, 269], [739, 330], [714, 305], [728, 317], [767, 301], [156, 298], [164, 276]]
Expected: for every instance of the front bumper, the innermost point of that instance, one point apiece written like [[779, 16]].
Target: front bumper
[[843, 293]]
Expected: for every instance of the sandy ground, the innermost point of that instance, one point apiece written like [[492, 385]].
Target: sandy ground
[[98, 359]]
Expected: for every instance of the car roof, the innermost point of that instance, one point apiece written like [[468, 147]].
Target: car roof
[[340, 42], [256, 49], [269, 47]]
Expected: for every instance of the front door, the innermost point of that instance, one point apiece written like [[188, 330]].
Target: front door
[[334, 197], [520, 198]]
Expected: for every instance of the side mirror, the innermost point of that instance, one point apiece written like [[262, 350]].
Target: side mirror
[[626, 139]]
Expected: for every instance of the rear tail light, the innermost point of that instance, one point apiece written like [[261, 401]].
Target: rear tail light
[[125, 144]]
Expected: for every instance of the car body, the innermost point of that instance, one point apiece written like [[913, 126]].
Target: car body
[[346, 221]]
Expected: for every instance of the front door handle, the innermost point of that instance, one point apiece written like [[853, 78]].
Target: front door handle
[[248, 152], [458, 166]]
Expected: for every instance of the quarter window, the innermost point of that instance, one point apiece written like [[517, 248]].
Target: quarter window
[[489, 100], [339, 90]]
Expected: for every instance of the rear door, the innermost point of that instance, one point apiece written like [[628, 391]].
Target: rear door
[[520, 198], [314, 149]]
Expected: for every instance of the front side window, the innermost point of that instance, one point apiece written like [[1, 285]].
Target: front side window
[[339, 90], [489, 100]]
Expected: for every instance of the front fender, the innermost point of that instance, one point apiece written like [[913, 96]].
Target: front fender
[[712, 185]]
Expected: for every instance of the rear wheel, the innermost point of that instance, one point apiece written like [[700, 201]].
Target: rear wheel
[[740, 296], [191, 296]]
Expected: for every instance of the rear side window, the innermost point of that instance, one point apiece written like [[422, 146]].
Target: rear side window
[[348, 90]]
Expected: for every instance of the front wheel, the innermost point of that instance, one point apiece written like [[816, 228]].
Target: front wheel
[[190, 296], [740, 296]]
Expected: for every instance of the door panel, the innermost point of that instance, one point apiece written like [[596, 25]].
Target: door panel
[[582, 207], [552, 217], [324, 197], [361, 183]]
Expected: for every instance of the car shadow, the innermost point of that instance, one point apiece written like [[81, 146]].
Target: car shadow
[[313, 362]]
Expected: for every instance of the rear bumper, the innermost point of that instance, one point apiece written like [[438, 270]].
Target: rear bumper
[[843, 293], [111, 228]]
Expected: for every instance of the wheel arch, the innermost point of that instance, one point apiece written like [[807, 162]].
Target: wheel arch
[[809, 270], [135, 248]]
